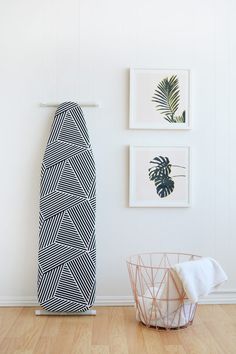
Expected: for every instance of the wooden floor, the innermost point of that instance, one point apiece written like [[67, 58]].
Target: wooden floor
[[115, 331]]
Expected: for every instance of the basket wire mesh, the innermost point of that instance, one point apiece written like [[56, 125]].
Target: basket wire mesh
[[160, 299]]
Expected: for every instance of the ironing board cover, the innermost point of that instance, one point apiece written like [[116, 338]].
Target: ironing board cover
[[67, 248]]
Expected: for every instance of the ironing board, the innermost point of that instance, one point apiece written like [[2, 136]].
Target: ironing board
[[67, 247]]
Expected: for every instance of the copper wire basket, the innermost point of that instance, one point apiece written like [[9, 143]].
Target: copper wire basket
[[160, 299]]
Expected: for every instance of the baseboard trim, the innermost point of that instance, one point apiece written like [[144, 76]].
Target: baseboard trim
[[217, 297]]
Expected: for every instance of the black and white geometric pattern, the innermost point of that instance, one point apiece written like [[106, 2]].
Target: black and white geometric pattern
[[67, 247]]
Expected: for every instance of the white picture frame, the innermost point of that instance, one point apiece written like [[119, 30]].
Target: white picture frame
[[149, 99], [143, 190]]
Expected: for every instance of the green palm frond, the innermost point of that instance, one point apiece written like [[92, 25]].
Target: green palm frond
[[167, 96], [180, 119]]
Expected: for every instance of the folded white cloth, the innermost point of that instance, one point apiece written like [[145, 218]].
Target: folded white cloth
[[162, 307], [200, 277]]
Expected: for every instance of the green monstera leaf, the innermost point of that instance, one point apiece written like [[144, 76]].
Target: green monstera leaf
[[162, 167], [164, 186], [160, 172]]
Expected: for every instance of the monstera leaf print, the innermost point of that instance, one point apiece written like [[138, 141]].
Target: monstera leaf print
[[164, 186], [167, 97], [162, 167], [160, 175]]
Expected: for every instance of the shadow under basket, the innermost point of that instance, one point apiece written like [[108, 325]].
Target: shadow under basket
[[160, 299]]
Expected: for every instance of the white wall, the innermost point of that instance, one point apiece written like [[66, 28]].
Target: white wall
[[81, 50]]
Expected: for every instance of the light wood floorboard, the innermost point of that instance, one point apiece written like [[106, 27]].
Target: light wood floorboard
[[114, 330]]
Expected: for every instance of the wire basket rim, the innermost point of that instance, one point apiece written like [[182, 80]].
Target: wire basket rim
[[129, 262]]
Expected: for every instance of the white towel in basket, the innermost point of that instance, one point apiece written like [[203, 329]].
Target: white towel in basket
[[154, 309], [200, 277]]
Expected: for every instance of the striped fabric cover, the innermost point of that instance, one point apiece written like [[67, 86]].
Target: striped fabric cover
[[67, 249]]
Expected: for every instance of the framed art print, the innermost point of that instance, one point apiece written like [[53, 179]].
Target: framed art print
[[159, 99], [159, 176]]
